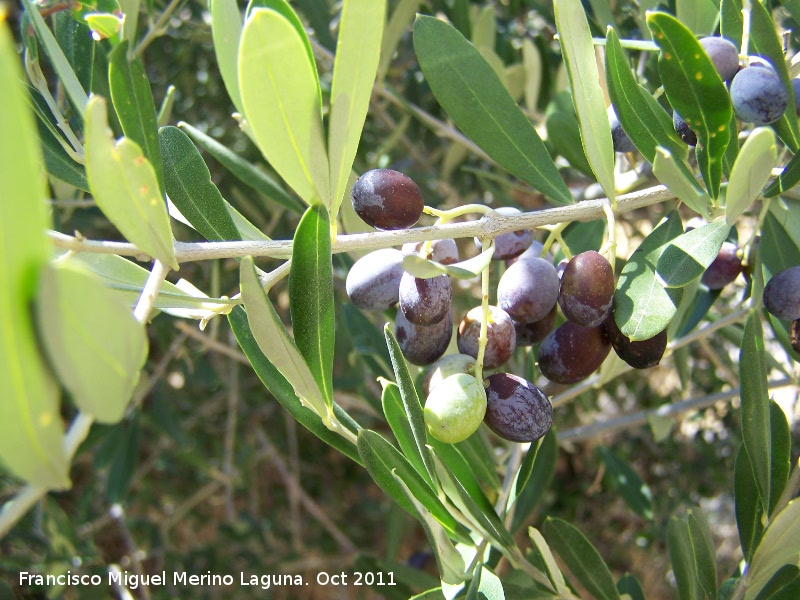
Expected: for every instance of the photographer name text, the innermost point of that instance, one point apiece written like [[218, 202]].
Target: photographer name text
[[182, 578]]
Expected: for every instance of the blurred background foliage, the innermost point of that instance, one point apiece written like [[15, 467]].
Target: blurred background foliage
[[209, 474]]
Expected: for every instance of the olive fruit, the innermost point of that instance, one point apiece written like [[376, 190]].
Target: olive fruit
[[794, 335], [516, 410], [528, 290], [587, 289], [758, 95], [425, 301], [502, 338], [387, 199], [454, 409], [725, 268], [723, 54], [782, 294], [441, 251], [423, 345], [572, 352], [513, 243], [533, 251], [620, 139], [449, 364], [373, 282], [639, 355], [683, 130], [529, 334]]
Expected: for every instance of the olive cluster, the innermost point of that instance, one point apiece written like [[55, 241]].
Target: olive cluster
[[757, 93], [530, 293]]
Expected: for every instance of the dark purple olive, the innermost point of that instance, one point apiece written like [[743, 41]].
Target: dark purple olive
[[640, 355], [387, 199], [516, 410], [502, 338], [587, 289], [782, 294], [572, 353], [725, 268]]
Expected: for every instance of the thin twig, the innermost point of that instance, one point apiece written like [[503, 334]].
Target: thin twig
[[489, 226], [230, 439], [312, 507], [211, 344], [674, 409]]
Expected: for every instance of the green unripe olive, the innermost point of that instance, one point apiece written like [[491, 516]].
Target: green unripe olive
[[455, 408], [449, 364]]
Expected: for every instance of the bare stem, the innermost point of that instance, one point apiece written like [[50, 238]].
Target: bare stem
[[668, 410], [489, 226]]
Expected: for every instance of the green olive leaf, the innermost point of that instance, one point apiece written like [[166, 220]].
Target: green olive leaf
[[642, 305], [281, 98], [577, 48], [125, 187], [133, 103], [226, 31], [31, 429], [751, 171], [686, 258], [275, 343], [475, 98], [75, 312], [357, 55], [695, 90]]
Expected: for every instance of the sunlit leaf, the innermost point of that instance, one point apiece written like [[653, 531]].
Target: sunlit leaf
[[387, 466], [750, 172], [75, 312], [451, 565], [674, 174], [643, 306], [69, 80], [779, 546], [687, 257], [357, 55], [275, 343], [284, 392], [226, 31], [695, 90], [700, 16], [578, 51], [125, 187], [281, 98], [31, 429], [548, 561]]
